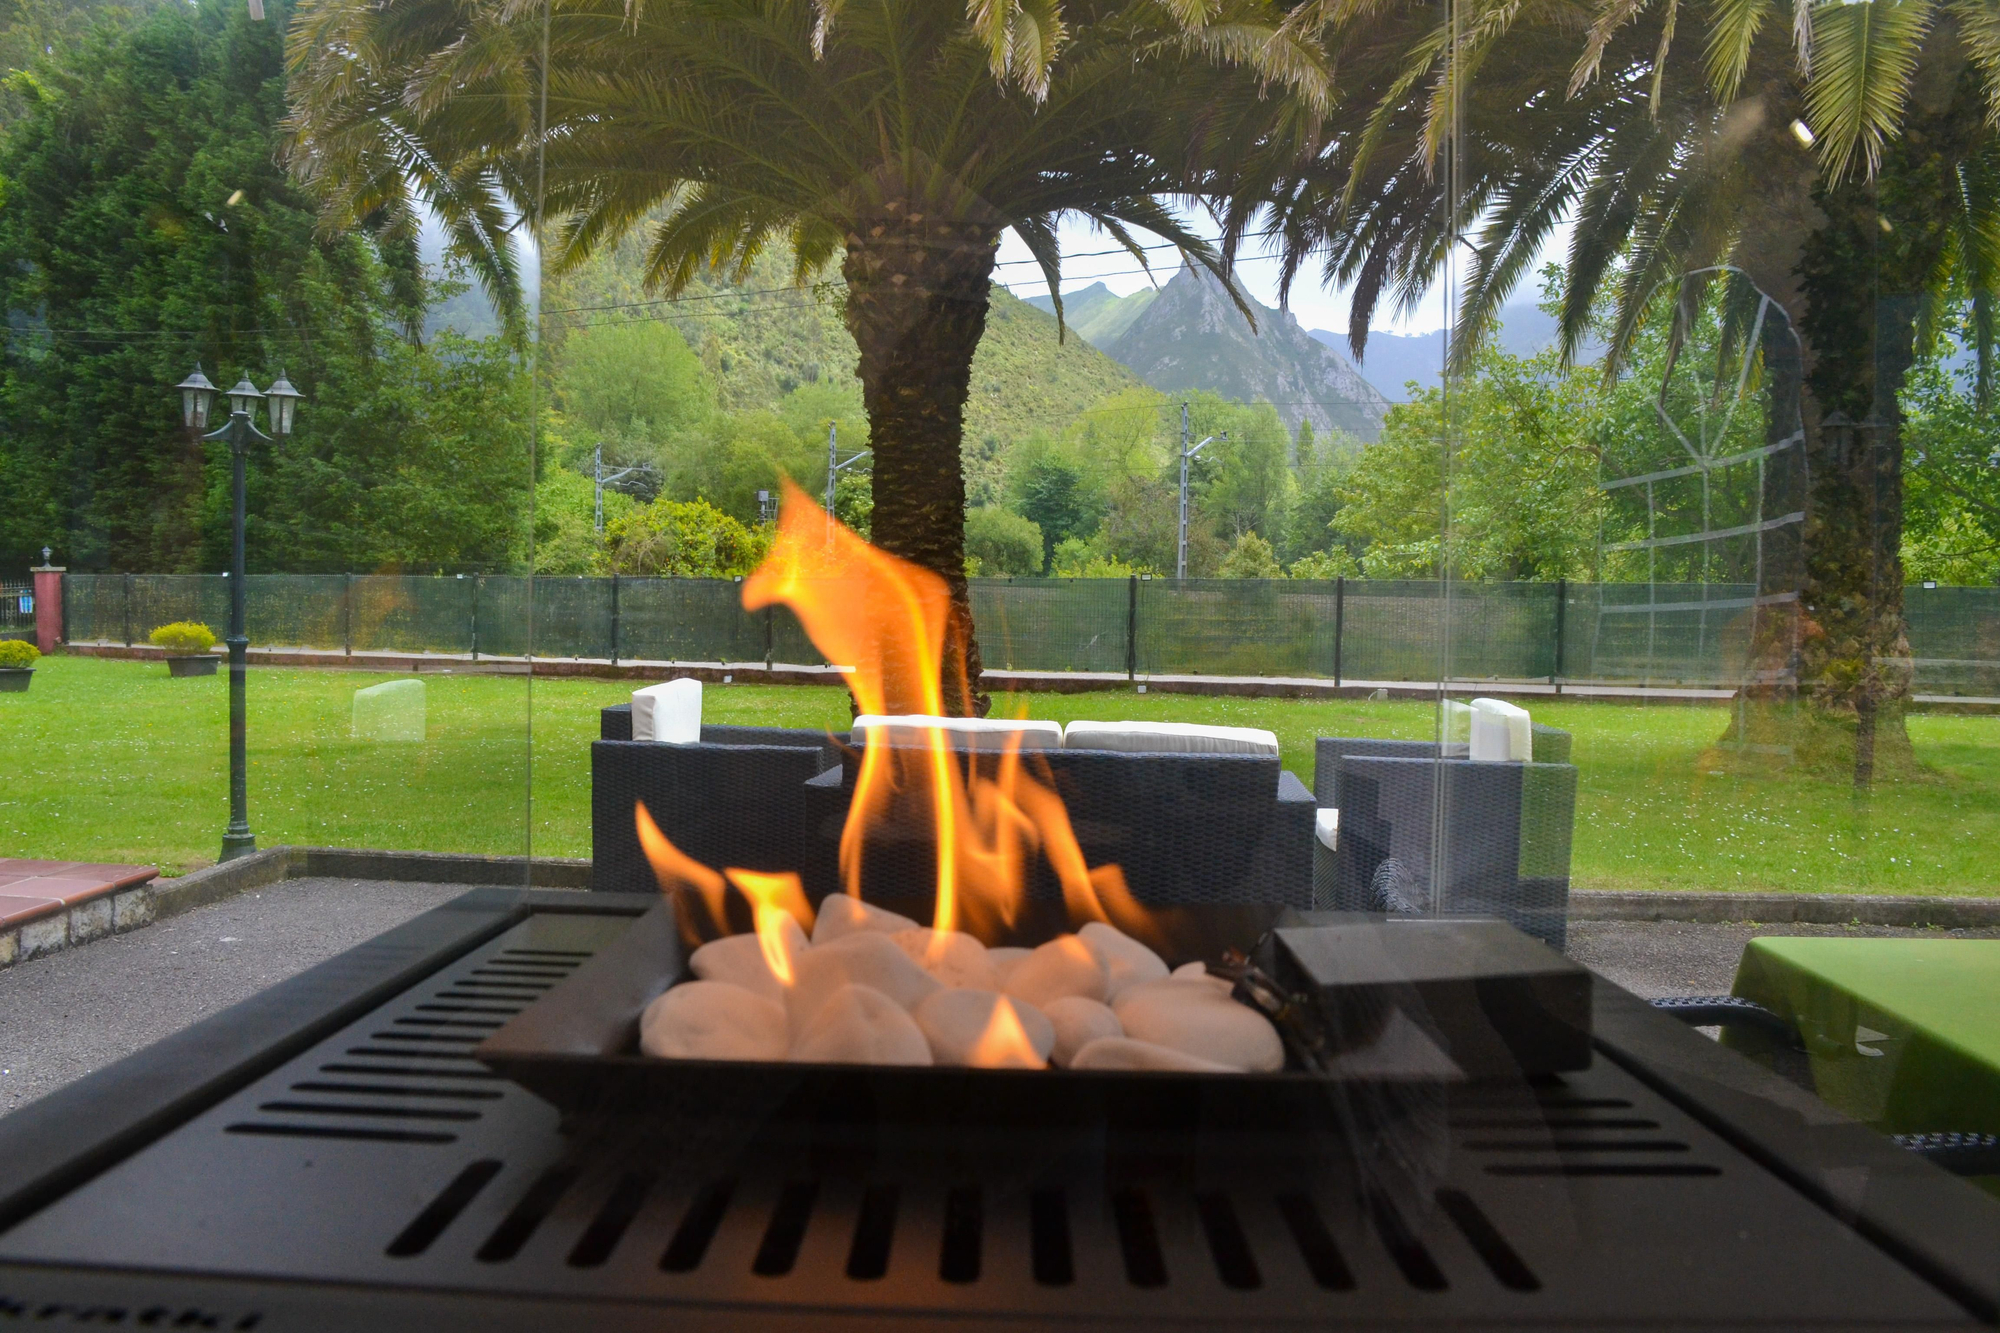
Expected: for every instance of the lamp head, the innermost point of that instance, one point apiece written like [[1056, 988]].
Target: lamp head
[[244, 398], [284, 403], [197, 396]]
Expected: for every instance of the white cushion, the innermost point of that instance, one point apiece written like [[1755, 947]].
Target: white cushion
[[964, 733], [1501, 732], [1168, 738], [1326, 827], [669, 711]]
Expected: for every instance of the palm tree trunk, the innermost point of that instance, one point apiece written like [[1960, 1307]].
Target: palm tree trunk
[[917, 292]]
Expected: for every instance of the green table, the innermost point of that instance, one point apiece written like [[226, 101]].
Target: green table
[[1902, 1033]]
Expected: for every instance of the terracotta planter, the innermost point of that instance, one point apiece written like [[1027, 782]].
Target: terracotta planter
[[14, 680], [203, 665]]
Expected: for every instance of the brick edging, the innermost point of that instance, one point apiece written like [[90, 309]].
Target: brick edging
[[1827, 909], [143, 904]]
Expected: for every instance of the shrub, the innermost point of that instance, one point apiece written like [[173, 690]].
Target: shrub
[[1250, 558], [1335, 564], [1002, 541], [1079, 559], [15, 653], [183, 638], [684, 539]]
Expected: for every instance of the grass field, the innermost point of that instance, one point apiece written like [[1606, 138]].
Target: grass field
[[113, 761]]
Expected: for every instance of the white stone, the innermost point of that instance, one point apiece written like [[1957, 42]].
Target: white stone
[[1005, 958], [1199, 974], [1078, 1022], [669, 712], [44, 936], [1200, 1021], [859, 1025], [953, 957], [1127, 1053], [840, 914], [713, 1020], [865, 958], [132, 908], [89, 920], [739, 960], [1063, 966], [10, 947], [391, 711], [1127, 962], [955, 1022]]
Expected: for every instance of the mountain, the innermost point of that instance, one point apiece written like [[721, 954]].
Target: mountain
[[1191, 336], [1393, 358], [1097, 313]]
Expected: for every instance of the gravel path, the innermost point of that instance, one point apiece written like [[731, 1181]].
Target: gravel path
[[66, 1014], [1656, 958]]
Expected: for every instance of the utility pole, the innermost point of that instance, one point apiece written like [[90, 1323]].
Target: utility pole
[[1180, 558], [600, 479], [834, 463]]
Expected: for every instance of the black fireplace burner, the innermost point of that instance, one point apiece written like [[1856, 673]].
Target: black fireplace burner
[[332, 1155]]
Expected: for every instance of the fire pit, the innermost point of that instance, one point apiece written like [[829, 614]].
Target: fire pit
[[331, 1155]]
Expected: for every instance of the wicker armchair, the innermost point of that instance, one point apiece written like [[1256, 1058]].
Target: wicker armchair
[[1506, 831], [739, 797]]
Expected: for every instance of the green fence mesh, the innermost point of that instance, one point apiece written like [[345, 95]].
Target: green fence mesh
[[1358, 629]]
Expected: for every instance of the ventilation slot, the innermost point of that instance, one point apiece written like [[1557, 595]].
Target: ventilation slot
[[690, 1243], [964, 1224], [1552, 1123], [1234, 1263], [1138, 1238], [443, 1210], [1048, 1230], [1602, 1169], [515, 1229], [350, 1108], [578, 954], [1507, 1266], [505, 1010], [398, 1090], [514, 974], [1418, 1268], [1585, 1104], [393, 1053], [1315, 1242], [1577, 1145], [405, 1071], [874, 1230], [483, 1024], [489, 998], [601, 1237], [459, 1037], [353, 1133], [478, 989], [787, 1230]]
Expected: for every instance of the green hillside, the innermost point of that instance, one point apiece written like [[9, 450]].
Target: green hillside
[[1097, 312], [763, 337]]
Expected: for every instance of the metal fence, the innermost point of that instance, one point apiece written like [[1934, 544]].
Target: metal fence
[[1346, 629], [17, 610]]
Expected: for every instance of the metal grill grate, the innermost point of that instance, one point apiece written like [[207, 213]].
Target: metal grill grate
[[386, 1156]]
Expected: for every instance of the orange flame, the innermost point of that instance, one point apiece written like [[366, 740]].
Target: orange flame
[[887, 617], [677, 872], [774, 898], [1004, 1044]]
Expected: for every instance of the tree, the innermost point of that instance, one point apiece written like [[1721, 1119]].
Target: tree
[[145, 224], [1250, 557], [1833, 168], [1062, 497], [682, 539], [1003, 542], [901, 136]]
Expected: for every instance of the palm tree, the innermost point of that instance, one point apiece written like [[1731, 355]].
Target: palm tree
[[903, 136], [1839, 159]]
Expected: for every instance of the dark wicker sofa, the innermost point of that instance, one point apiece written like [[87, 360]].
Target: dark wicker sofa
[[1186, 828]]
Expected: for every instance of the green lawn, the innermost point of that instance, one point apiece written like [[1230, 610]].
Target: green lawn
[[114, 761]]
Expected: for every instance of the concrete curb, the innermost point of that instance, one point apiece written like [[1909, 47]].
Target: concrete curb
[[143, 904], [1827, 909]]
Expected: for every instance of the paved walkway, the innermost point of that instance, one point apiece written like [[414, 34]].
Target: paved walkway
[[69, 1013]]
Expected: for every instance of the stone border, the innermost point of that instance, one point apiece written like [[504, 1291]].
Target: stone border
[[1826, 909], [143, 904]]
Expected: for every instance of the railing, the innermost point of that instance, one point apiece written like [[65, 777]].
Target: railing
[[17, 610], [1343, 629]]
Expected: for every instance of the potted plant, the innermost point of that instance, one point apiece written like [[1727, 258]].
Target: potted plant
[[17, 665], [187, 644]]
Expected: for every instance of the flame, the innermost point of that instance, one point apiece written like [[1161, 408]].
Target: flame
[[774, 898], [677, 872], [990, 816], [1004, 1044]]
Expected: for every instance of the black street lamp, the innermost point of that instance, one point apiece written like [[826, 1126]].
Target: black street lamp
[[197, 396]]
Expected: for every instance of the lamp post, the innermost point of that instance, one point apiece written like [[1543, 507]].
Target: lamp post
[[1180, 556], [197, 396]]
